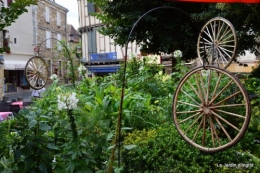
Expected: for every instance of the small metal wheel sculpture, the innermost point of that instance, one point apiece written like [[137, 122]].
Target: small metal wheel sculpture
[[211, 109], [36, 72], [219, 37]]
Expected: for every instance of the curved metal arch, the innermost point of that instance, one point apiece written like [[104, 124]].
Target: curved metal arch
[[124, 73], [67, 52]]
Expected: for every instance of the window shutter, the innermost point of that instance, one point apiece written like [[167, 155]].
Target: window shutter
[[58, 43], [58, 19], [47, 14], [48, 41]]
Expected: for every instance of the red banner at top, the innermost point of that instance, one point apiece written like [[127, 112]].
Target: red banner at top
[[219, 1]]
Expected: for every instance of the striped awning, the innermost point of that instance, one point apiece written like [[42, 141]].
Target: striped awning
[[14, 65]]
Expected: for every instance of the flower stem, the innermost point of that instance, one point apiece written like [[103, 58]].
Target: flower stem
[[73, 125]]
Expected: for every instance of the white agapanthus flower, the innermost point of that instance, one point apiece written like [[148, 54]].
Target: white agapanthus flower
[[177, 54], [68, 101], [54, 77]]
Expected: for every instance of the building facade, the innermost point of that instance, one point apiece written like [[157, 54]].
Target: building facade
[[99, 53], [50, 27], [17, 39], [36, 32]]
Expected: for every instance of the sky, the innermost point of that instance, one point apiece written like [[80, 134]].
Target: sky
[[72, 15]]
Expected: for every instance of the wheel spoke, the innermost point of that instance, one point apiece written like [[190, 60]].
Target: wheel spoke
[[204, 130], [213, 132], [192, 124], [190, 97], [196, 133], [220, 92], [222, 57], [208, 88], [223, 129], [198, 85], [216, 86], [186, 119], [188, 112], [229, 97], [219, 117], [200, 97], [185, 103], [230, 113], [227, 31]]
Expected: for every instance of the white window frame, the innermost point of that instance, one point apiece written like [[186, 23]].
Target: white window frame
[[47, 14], [48, 40], [58, 18]]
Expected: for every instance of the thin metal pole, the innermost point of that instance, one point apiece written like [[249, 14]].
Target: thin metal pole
[[118, 132]]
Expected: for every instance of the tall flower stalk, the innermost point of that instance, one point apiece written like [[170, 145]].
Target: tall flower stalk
[[69, 102]]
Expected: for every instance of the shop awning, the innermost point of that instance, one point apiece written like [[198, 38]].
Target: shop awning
[[14, 65], [103, 69]]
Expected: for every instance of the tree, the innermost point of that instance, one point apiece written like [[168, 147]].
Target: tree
[[166, 30], [8, 15]]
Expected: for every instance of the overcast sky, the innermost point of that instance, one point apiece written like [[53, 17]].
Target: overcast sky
[[72, 15]]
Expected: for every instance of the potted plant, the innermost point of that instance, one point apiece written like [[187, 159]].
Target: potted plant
[[7, 49]]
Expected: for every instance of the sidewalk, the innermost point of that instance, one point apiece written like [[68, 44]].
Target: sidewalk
[[26, 94]]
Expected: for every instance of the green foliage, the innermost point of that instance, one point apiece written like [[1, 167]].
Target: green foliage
[[251, 141], [157, 32], [163, 150], [40, 138]]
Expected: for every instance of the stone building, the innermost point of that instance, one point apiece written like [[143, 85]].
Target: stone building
[[50, 27]]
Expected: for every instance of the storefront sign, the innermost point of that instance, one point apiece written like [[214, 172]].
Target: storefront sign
[[103, 56]]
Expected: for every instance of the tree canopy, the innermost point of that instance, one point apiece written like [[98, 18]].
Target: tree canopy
[[8, 15], [166, 30]]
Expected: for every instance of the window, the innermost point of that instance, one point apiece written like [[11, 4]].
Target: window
[[6, 37], [47, 14], [58, 18], [15, 40], [48, 40], [92, 42], [91, 8], [58, 42]]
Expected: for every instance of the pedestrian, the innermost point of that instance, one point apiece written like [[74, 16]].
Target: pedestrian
[[36, 94]]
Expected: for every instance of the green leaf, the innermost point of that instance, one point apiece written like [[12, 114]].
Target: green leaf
[[43, 168], [126, 128], [44, 126], [109, 136], [32, 123], [52, 146], [111, 147], [129, 147]]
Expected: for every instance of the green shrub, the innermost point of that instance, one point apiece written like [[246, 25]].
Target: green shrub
[[163, 150]]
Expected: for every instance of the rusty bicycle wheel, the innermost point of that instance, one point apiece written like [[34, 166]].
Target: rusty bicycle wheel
[[218, 41], [36, 72], [211, 109]]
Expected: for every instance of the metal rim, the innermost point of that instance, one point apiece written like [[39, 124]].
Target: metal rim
[[220, 40], [211, 109], [36, 72]]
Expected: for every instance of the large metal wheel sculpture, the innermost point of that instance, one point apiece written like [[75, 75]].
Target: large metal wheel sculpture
[[36, 72], [211, 109], [219, 37]]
